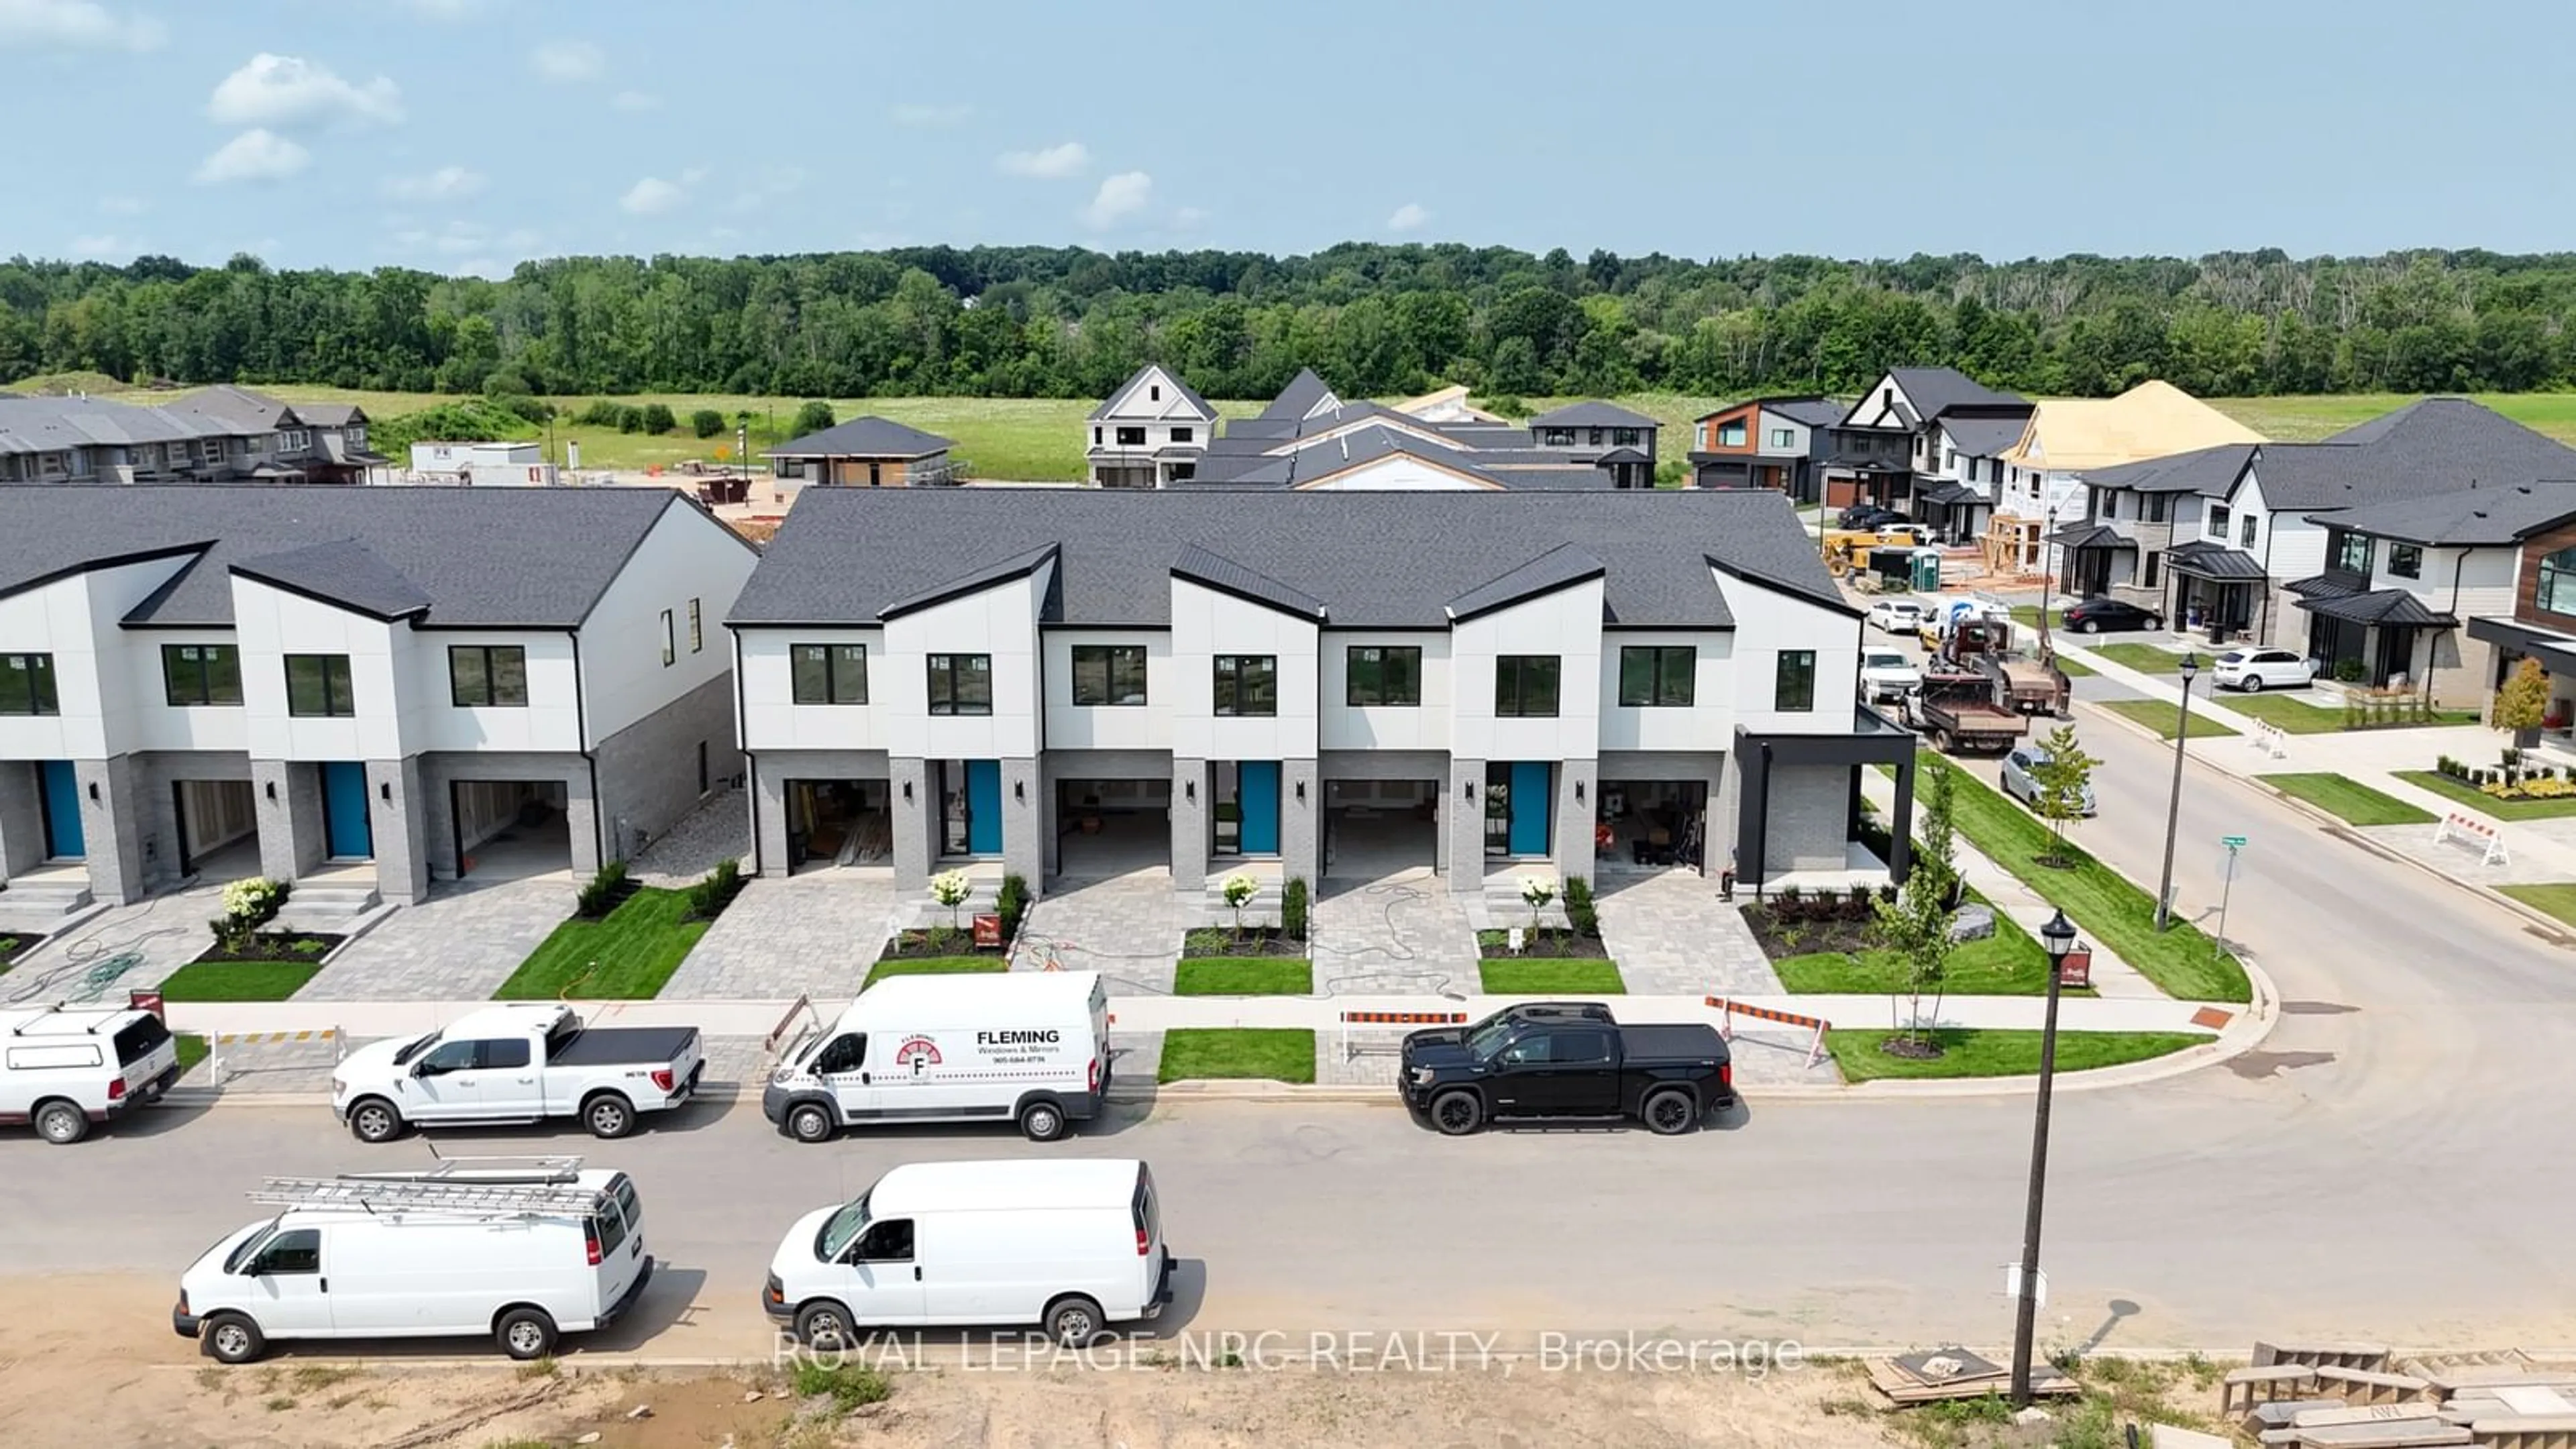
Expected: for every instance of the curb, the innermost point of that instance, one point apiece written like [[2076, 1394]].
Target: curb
[[2345, 830]]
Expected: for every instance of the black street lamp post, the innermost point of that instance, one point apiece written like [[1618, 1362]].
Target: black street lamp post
[[2059, 937], [2173, 805]]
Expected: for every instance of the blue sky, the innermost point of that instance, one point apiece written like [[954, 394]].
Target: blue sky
[[464, 135]]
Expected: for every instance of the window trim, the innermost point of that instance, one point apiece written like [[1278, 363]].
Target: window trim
[[1241, 707], [1514, 672], [1137, 441], [1352, 692], [832, 662], [2557, 566], [333, 705], [2412, 553], [491, 676], [1109, 669], [947, 666], [1783, 665], [697, 628], [44, 684], [1656, 664], [205, 680], [670, 642]]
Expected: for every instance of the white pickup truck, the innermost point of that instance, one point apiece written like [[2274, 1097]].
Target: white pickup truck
[[517, 1063]]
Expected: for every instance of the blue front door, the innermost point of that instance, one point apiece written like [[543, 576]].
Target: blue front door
[[984, 807], [346, 835], [1529, 802], [1256, 786], [63, 838]]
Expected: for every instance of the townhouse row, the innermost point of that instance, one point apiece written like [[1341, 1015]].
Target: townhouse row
[[216, 435]]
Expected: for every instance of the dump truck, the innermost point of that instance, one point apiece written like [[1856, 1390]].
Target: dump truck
[[1956, 709], [2024, 682]]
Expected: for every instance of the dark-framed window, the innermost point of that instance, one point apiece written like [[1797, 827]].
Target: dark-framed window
[[201, 674], [2557, 591], [1525, 685], [1382, 674], [1793, 685], [1595, 436], [1658, 676], [27, 684], [2218, 516], [1183, 435], [2156, 504], [1731, 434], [961, 684], [697, 628], [492, 676], [829, 673], [2245, 535], [670, 642], [1247, 685], [1131, 437], [1556, 437], [2406, 560], [1627, 437], [317, 685], [2352, 553], [1109, 674]]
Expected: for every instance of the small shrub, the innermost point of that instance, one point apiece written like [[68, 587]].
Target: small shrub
[[600, 414], [1292, 909], [2510, 757], [599, 894], [706, 422], [848, 1386], [658, 419], [709, 897], [630, 419], [1579, 909], [1011, 903], [1790, 903], [813, 417], [248, 904], [2350, 671], [308, 946], [1887, 893], [951, 888]]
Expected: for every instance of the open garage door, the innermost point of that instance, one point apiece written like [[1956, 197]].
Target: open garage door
[[1377, 828], [839, 822], [1647, 825], [218, 828], [1113, 827], [506, 829]]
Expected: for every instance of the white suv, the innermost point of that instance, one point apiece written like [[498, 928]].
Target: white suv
[[2253, 670], [63, 1068], [1897, 616]]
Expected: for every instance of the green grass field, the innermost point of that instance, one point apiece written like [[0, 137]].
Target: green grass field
[[2348, 800], [2144, 658], [2157, 715], [2469, 795], [625, 955], [1255, 977], [1545, 976], [1204, 1053], [1968, 1052], [2301, 419], [934, 966], [2557, 898], [2008, 963], [237, 980]]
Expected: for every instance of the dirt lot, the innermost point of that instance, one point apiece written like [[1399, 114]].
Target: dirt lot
[[91, 1361]]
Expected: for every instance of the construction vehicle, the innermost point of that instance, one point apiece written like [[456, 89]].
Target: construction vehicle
[[1847, 550], [1955, 708], [2024, 681]]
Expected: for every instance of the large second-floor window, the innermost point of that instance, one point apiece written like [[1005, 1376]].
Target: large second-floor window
[[318, 685], [961, 684], [829, 673], [27, 684], [1247, 684], [1653, 676], [487, 676], [1131, 437], [2406, 560], [1731, 435], [1556, 437], [2352, 553], [193, 674], [1109, 674], [2218, 522], [1525, 685], [2245, 532], [2557, 582], [1382, 674], [1793, 686], [1627, 437], [1784, 438]]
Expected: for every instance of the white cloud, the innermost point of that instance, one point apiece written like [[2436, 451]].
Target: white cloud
[[102, 245], [636, 101], [653, 196], [925, 117], [1412, 216], [1119, 197], [1050, 163], [285, 90], [75, 25], [257, 154], [447, 183], [569, 60], [123, 205]]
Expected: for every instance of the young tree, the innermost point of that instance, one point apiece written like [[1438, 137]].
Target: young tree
[[2523, 702], [706, 422], [1536, 893], [951, 888], [2064, 776], [1239, 890], [1916, 925]]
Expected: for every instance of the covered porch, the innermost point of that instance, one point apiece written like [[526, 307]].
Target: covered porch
[[1955, 512], [2088, 559], [2388, 637], [2224, 591], [1798, 803]]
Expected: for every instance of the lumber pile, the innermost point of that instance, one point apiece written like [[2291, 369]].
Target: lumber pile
[[1938, 1374], [2361, 1396]]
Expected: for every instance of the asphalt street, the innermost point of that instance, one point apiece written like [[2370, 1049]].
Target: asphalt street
[[2393, 1164]]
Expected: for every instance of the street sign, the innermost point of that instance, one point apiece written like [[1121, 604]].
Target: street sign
[[2012, 1284], [2232, 842]]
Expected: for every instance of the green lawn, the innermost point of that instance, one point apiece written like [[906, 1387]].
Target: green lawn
[[2558, 898], [1541, 976], [2100, 901], [934, 966], [2352, 802], [2008, 963], [624, 956], [237, 980], [192, 1050], [2027, 615], [2293, 714], [2076, 668], [2304, 419], [2444, 785], [1206, 1053], [1243, 977], [2157, 715], [2144, 658], [1968, 1052]]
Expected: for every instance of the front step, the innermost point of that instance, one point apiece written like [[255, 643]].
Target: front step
[[325, 908], [46, 899]]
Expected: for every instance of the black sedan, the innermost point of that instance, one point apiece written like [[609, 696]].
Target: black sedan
[[1867, 515], [2095, 615]]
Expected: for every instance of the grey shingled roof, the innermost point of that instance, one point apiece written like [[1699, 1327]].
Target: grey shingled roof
[[331, 414], [484, 557], [2439, 445], [1242, 463], [1371, 559], [979, 577], [1592, 415], [1138, 376], [1229, 576], [2208, 559], [55, 424], [344, 572], [1983, 437], [1552, 570], [863, 438], [1299, 397], [2207, 471], [2465, 518], [1936, 390], [1815, 412], [237, 410], [2381, 606]]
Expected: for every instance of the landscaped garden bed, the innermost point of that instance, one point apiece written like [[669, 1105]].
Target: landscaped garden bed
[[1545, 944], [938, 943], [1279, 1054], [2008, 963], [1864, 1054], [17, 944], [1210, 943], [2502, 807], [1794, 922]]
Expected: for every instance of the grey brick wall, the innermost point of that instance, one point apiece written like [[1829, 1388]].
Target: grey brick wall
[[22, 817], [916, 824], [288, 794], [112, 828], [648, 771], [768, 793], [436, 802], [1574, 817], [1301, 835], [401, 829], [156, 773], [1810, 817], [1465, 820], [1024, 823], [1190, 791]]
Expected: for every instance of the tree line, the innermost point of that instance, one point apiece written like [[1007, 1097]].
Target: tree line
[[1374, 319]]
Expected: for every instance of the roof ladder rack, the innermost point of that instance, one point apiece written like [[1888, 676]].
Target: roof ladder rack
[[433, 1191]]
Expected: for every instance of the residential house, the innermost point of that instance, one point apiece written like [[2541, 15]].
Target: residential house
[[1891, 440], [866, 452], [1768, 442], [1076, 684], [339, 452], [503, 464], [219, 435], [365, 689], [1150, 432], [2070, 441], [1309, 439]]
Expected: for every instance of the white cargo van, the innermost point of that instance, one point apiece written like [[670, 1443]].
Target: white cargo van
[[1030, 1047], [1071, 1247], [65, 1067], [522, 1249]]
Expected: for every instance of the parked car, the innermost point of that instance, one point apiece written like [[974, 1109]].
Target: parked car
[[1070, 1247], [1565, 1061], [64, 1068], [1030, 1047], [2255, 670], [1896, 616], [525, 1254], [1867, 515], [2094, 615], [2022, 765], [517, 1063], [1886, 674]]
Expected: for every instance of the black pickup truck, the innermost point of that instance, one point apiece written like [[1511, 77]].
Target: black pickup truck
[[1571, 1061]]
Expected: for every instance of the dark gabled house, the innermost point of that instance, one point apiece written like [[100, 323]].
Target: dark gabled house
[[1890, 447], [1766, 442]]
